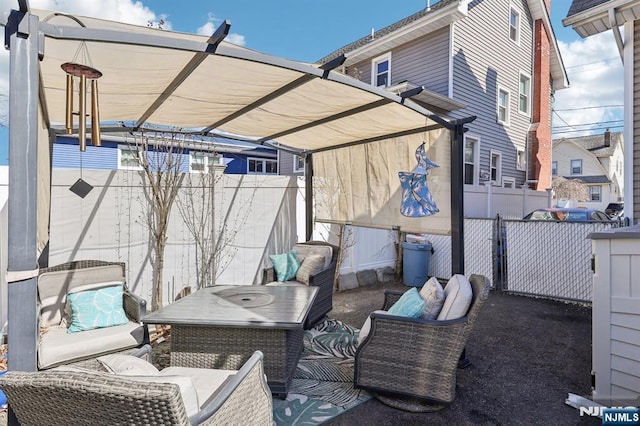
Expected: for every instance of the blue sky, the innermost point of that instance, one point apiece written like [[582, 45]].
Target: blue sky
[[307, 30]]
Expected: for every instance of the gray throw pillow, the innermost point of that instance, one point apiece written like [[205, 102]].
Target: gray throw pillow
[[312, 264]]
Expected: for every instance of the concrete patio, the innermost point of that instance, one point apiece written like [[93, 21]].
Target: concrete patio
[[527, 355]]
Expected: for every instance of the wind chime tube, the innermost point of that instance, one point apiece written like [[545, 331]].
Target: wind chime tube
[[69, 111], [82, 113], [95, 115]]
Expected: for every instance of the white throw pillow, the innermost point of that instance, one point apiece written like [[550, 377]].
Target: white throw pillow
[[458, 296], [433, 295], [366, 327], [127, 365]]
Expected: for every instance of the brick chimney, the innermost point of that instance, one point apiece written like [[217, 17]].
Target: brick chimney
[[607, 138]]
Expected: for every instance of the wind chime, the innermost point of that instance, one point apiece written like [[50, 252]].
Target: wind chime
[[77, 70]]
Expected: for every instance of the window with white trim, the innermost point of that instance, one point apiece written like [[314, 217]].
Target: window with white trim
[[514, 25], [381, 71], [495, 167], [264, 166], [595, 193], [521, 159], [298, 164], [471, 159], [203, 162], [554, 168], [576, 167], [503, 106], [524, 94], [128, 158]]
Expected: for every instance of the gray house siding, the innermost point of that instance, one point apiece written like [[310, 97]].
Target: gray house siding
[[286, 163], [485, 59], [423, 61]]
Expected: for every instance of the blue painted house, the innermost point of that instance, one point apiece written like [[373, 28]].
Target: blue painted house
[[118, 152]]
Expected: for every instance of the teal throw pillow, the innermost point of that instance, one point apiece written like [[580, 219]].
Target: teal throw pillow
[[286, 265], [409, 305], [96, 309]]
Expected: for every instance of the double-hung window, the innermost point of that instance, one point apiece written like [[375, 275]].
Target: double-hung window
[[381, 71], [554, 168], [595, 193], [514, 25], [524, 95], [471, 147], [576, 167], [503, 106], [495, 167]]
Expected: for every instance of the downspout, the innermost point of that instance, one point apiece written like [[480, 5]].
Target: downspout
[[615, 28]]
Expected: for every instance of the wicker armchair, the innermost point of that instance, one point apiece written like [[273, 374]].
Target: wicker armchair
[[56, 347], [324, 280], [55, 397], [413, 358]]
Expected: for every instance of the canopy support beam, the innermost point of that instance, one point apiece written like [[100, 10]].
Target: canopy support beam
[[217, 37], [23, 188], [308, 196]]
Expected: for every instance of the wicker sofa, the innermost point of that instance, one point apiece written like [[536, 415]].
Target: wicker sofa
[[324, 279], [415, 358], [67, 397], [56, 346]]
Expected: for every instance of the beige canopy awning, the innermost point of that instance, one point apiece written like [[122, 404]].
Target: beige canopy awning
[[153, 77]]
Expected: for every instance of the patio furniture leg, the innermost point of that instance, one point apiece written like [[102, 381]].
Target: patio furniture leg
[[464, 362]]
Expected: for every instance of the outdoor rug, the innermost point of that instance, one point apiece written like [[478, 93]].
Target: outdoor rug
[[322, 386]]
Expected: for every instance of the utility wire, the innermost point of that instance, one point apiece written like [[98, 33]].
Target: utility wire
[[589, 107], [602, 61]]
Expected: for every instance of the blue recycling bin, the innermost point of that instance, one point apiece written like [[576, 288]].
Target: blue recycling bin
[[415, 263]]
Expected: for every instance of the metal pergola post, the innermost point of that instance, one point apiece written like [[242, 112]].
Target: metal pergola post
[[457, 195], [308, 196], [22, 35]]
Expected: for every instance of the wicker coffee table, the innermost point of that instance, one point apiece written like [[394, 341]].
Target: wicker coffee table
[[221, 326]]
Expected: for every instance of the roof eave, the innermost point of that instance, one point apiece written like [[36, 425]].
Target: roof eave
[[438, 19], [596, 19]]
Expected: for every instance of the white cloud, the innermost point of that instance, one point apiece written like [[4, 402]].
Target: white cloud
[[595, 73], [210, 26]]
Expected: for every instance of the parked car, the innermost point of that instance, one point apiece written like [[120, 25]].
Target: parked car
[[615, 210], [568, 215]]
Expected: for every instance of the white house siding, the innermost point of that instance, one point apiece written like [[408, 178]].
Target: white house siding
[[485, 58], [564, 152], [636, 121], [423, 61]]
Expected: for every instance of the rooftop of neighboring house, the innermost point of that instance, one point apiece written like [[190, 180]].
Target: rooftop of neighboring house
[[386, 30], [581, 5], [589, 17], [597, 144]]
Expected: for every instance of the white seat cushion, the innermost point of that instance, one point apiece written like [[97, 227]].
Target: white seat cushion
[[188, 390], [366, 327], [59, 347], [458, 296], [205, 380]]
